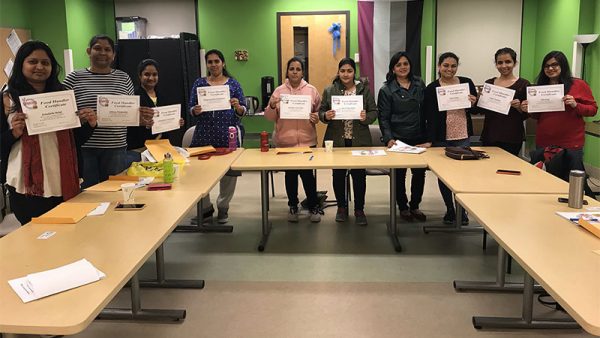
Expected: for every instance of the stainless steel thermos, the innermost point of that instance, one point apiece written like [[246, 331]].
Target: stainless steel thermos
[[576, 180]]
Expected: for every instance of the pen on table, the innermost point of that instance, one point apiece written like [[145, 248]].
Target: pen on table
[[311, 157]]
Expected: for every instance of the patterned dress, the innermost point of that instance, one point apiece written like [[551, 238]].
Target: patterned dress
[[212, 127]]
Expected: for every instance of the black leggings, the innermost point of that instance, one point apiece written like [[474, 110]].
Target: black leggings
[[25, 207], [308, 182]]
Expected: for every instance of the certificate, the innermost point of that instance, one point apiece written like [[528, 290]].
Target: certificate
[[212, 98], [347, 107], [295, 107], [453, 97], [118, 110], [50, 112], [166, 118], [496, 98], [545, 98]]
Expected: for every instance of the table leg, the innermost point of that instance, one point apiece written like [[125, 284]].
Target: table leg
[[199, 227], [162, 282], [499, 285], [136, 313], [392, 224], [526, 321], [264, 202]]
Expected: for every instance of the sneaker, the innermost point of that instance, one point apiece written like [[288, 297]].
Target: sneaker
[[341, 215], [406, 215], [293, 215], [450, 217], [418, 215], [223, 216], [315, 215], [361, 218]]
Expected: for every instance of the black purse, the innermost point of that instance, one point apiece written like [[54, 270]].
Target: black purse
[[465, 153]]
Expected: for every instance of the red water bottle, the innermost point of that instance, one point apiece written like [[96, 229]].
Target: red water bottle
[[264, 141]]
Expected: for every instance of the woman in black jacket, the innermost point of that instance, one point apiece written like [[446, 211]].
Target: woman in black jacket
[[401, 118], [448, 128]]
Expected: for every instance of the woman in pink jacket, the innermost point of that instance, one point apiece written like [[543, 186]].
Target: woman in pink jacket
[[297, 133]]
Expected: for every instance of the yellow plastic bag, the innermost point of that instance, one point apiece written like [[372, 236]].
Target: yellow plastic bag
[[146, 169]]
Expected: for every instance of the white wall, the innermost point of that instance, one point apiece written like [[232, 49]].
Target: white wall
[[475, 30], [165, 18]]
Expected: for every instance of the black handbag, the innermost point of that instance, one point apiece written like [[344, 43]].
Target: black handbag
[[465, 153]]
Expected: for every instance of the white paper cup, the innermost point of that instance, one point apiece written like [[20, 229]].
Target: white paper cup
[[328, 145], [128, 189], [176, 171]]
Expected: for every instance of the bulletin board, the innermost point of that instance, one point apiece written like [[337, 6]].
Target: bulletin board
[[5, 52]]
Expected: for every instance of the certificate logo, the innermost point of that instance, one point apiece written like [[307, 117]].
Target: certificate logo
[[202, 92], [285, 99], [335, 100], [531, 91], [103, 101], [29, 103], [441, 91], [487, 89]]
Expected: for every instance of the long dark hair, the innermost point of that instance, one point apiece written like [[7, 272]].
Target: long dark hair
[[565, 71], [506, 50], [346, 61], [145, 63], [294, 59], [18, 84], [220, 55], [443, 57], [390, 76]]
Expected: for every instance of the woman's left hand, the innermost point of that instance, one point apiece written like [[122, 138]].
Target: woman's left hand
[[363, 115], [516, 104], [181, 122], [570, 100], [235, 103], [473, 99], [146, 116], [314, 118], [88, 115]]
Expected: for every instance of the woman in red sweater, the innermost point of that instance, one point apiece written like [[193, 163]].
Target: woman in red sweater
[[565, 129]]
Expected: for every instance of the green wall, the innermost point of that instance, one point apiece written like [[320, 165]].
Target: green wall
[[14, 14], [241, 24], [428, 32], [590, 13]]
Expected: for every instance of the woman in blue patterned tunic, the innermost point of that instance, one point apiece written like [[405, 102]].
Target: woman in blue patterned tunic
[[212, 127]]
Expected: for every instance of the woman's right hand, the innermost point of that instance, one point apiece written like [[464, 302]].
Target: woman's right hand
[[18, 124], [274, 103], [391, 143], [329, 115], [197, 110], [524, 106]]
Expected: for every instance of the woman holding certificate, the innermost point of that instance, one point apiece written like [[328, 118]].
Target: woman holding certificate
[[218, 103], [401, 118], [150, 97], [292, 130], [447, 105], [348, 107], [501, 128], [40, 170], [564, 128], [104, 153]]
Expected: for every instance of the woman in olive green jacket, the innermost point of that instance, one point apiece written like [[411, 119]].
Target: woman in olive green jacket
[[349, 133]]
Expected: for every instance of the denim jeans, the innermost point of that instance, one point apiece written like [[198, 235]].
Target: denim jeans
[[99, 163]]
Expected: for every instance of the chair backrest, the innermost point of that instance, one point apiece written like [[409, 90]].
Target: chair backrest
[[187, 137], [375, 135]]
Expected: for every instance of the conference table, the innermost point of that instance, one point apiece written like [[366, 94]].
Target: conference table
[[318, 158], [117, 243], [560, 255]]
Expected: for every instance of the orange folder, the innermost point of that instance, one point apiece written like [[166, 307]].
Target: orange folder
[[200, 150], [113, 183], [65, 213], [158, 149], [293, 150]]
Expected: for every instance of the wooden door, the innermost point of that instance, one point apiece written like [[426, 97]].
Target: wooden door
[[322, 62]]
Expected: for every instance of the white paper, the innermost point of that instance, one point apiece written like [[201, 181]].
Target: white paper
[[100, 209], [42, 284], [46, 234], [453, 97], [369, 153], [118, 110], [295, 107], [545, 98], [347, 107], [401, 147], [496, 98], [166, 118], [574, 216], [50, 112], [212, 98], [13, 42], [8, 67]]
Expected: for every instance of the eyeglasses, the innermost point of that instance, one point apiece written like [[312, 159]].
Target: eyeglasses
[[553, 66]]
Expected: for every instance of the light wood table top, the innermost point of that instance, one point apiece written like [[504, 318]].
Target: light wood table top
[[479, 176], [339, 158], [117, 243], [555, 252]]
